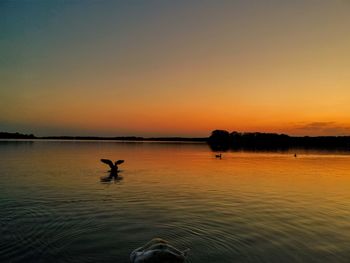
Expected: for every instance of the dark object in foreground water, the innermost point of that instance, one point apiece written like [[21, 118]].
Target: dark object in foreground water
[[114, 167], [158, 251]]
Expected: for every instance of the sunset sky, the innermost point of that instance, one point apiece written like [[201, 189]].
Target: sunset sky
[[175, 68]]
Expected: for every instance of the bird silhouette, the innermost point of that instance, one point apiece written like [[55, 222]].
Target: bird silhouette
[[218, 156], [113, 173], [113, 166]]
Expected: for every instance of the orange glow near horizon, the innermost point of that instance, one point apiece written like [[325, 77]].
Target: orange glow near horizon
[[177, 69]]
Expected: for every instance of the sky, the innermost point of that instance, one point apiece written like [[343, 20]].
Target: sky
[[175, 68]]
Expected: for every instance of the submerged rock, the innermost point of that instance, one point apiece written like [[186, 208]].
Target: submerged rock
[[158, 251]]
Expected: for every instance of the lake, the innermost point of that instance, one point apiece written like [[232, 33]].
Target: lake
[[246, 207]]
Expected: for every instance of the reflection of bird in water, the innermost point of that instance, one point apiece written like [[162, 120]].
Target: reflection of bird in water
[[114, 170], [110, 178], [218, 156]]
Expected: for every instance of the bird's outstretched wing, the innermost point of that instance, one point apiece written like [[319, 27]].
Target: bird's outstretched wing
[[119, 162], [109, 162]]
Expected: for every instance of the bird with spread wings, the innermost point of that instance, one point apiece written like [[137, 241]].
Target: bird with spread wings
[[113, 166]]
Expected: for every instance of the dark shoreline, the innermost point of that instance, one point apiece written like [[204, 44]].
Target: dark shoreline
[[126, 138], [220, 140], [6, 135]]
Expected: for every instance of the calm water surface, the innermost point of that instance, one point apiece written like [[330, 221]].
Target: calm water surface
[[247, 207]]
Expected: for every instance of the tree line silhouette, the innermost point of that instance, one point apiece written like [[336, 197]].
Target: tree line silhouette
[[221, 140], [16, 135]]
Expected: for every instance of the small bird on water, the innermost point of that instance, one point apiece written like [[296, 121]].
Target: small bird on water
[[218, 156]]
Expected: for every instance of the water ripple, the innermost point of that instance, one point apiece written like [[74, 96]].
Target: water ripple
[[245, 208]]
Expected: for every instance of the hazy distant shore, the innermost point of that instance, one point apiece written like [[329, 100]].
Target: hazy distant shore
[[7, 135]]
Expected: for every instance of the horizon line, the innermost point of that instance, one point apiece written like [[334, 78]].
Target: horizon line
[[134, 137]]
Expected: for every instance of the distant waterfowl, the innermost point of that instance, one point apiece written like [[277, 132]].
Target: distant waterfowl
[[158, 251], [218, 156], [113, 166], [295, 155]]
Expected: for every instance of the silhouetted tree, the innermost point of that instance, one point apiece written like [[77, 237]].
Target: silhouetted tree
[[8, 135], [219, 140]]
